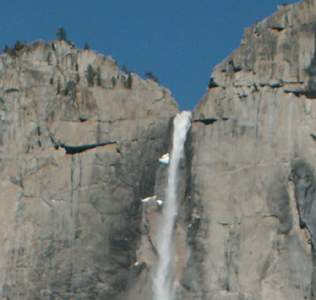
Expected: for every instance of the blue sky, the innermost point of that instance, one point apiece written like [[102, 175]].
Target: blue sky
[[179, 41]]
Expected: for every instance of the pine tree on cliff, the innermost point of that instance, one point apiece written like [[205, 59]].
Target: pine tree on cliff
[[90, 74], [98, 74], [6, 49], [61, 34], [150, 76], [129, 81]]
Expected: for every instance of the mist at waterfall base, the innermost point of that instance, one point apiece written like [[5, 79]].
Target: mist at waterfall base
[[163, 279]]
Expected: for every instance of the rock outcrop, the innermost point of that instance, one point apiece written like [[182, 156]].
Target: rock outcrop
[[75, 162], [253, 131]]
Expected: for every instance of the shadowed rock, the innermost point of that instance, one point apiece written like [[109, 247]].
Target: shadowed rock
[[303, 178]]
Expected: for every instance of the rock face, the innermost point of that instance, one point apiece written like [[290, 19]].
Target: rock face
[[75, 162], [253, 160]]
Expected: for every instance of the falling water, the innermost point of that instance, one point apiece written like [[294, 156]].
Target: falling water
[[163, 280]]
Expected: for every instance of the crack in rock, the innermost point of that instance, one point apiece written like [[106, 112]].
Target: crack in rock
[[81, 148]]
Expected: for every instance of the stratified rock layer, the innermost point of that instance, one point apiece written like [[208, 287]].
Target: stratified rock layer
[[75, 162], [256, 121]]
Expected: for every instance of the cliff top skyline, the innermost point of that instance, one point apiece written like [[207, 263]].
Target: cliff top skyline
[[179, 42]]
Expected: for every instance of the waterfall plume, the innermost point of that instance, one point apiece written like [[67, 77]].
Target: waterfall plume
[[163, 279]]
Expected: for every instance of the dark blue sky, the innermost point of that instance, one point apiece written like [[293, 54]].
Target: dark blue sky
[[179, 41]]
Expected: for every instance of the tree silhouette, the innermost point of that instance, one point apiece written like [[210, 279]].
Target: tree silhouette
[[18, 46], [113, 81], [6, 49], [150, 76], [61, 34], [98, 74], [124, 69], [90, 74], [129, 81]]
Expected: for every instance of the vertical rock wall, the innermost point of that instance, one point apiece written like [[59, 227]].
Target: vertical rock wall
[[74, 163], [255, 123]]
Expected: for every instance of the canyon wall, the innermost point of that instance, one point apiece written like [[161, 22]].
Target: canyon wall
[[78, 161], [75, 162], [253, 147]]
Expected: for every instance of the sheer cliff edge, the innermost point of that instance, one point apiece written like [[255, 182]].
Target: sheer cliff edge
[[253, 166]]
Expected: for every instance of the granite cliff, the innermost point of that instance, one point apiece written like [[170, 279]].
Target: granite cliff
[[74, 163], [76, 160], [253, 163]]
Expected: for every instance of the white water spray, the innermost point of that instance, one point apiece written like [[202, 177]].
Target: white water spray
[[163, 280]]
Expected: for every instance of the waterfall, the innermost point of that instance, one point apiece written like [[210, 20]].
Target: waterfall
[[163, 279]]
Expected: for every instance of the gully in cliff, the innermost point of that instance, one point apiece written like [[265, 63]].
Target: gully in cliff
[[163, 280], [305, 193]]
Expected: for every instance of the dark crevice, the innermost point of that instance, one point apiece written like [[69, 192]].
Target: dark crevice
[[310, 95], [55, 145], [273, 85], [152, 246], [307, 94], [11, 90], [83, 120], [212, 84], [303, 177], [278, 28], [297, 94], [82, 148], [237, 69], [207, 121]]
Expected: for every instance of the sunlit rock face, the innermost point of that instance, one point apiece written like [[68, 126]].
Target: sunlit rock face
[[256, 236], [75, 162], [83, 174]]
